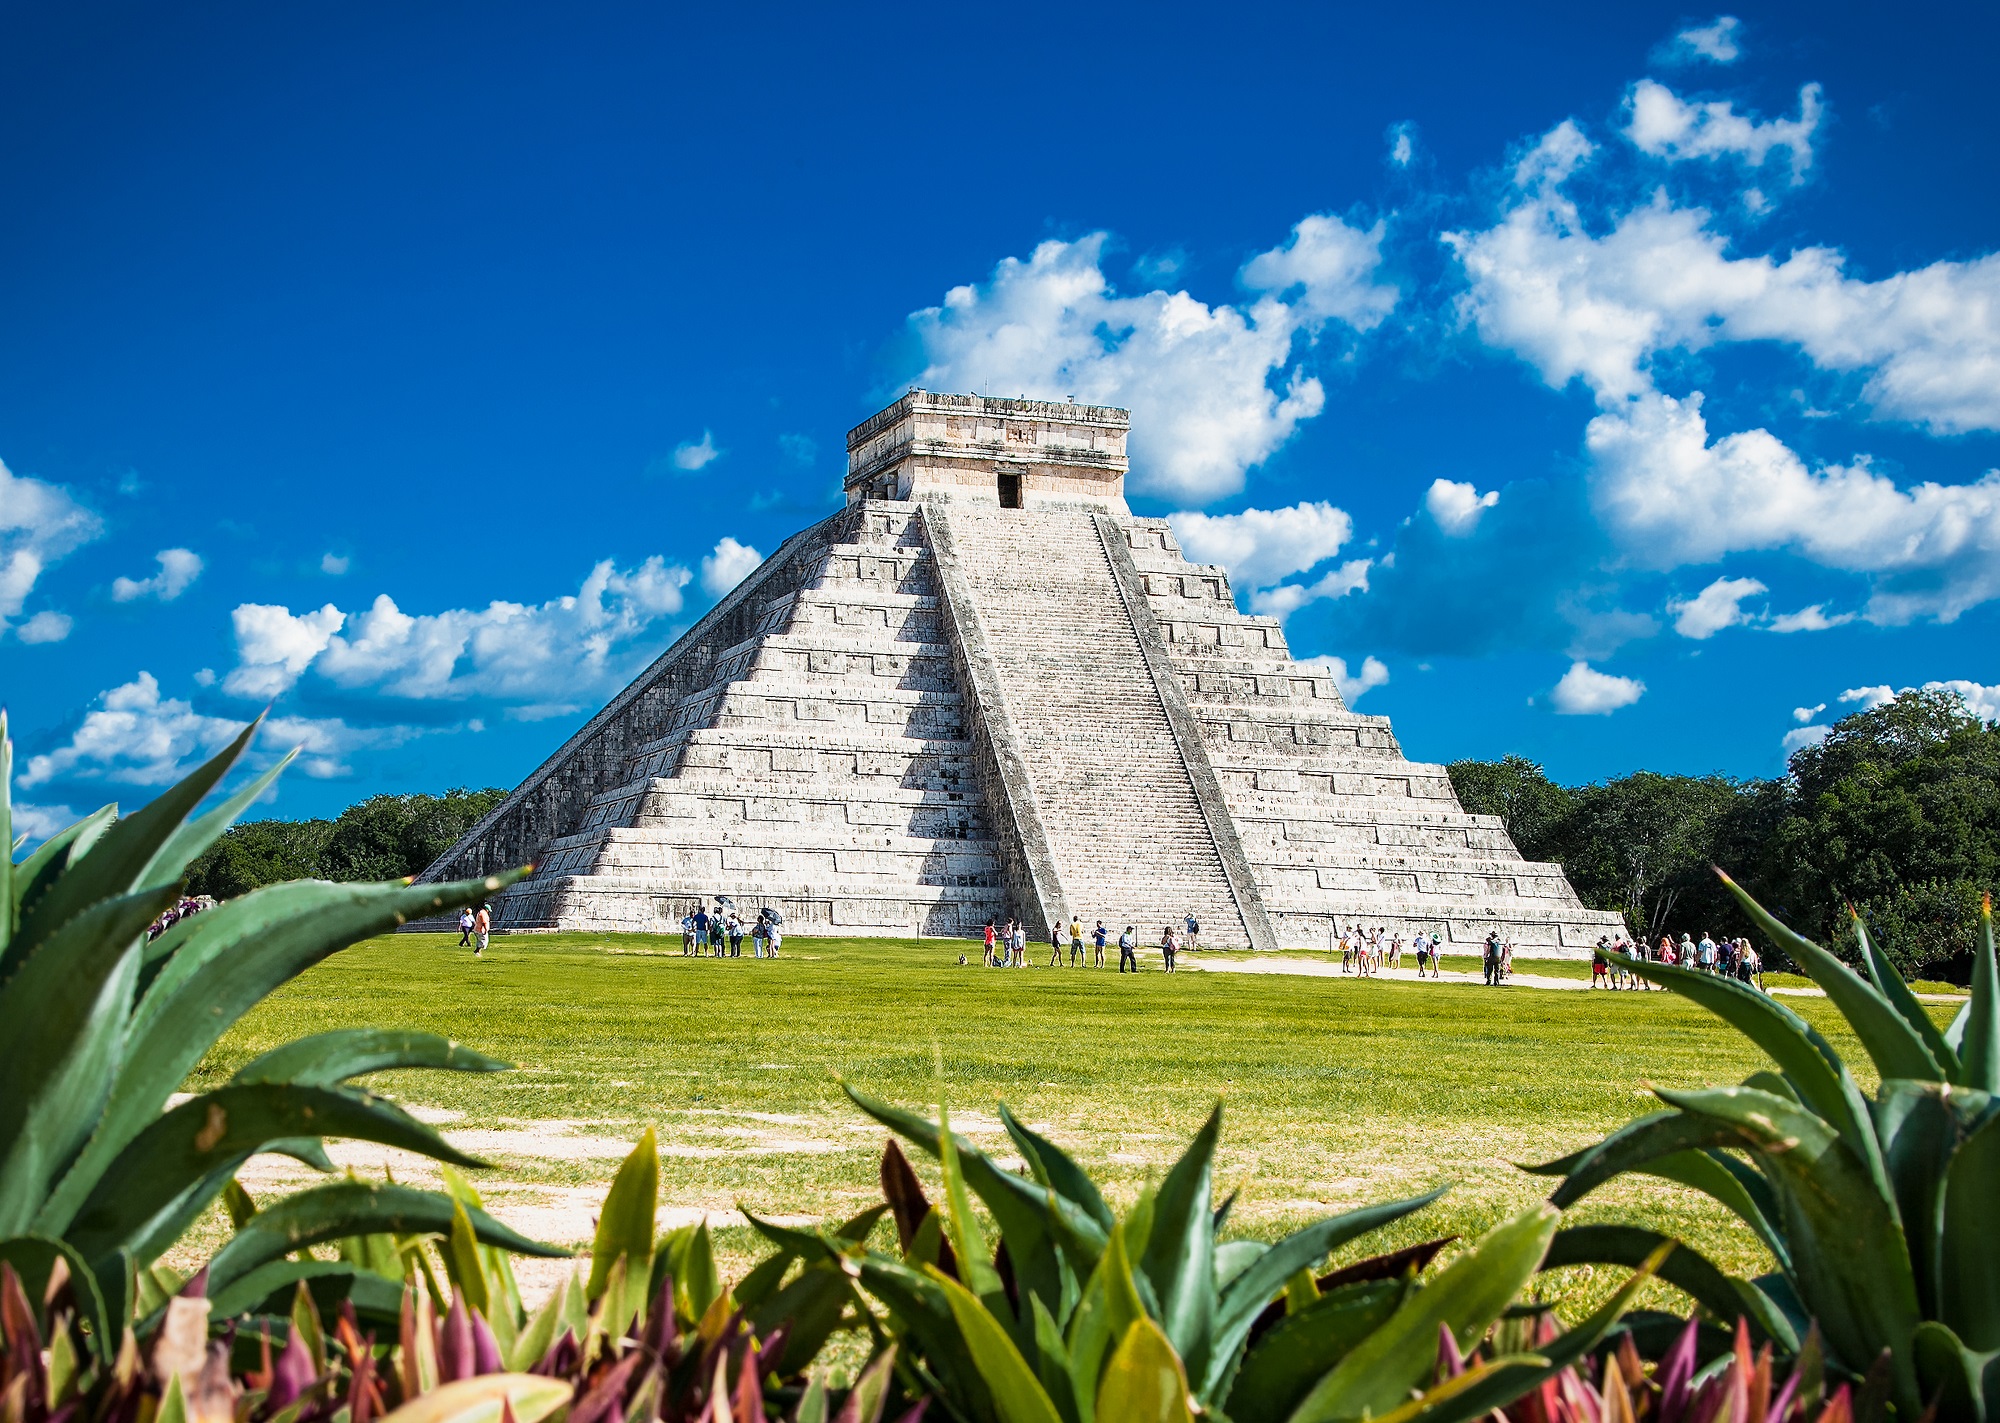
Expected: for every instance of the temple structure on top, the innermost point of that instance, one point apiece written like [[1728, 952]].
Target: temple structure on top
[[984, 689]]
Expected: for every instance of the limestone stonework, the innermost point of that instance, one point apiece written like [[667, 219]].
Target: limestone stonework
[[985, 689]]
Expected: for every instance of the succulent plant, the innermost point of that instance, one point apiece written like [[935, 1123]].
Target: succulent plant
[[1877, 1212], [1079, 1315]]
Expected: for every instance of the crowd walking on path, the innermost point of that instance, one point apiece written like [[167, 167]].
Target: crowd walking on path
[[1726, 958], [1006, 945]]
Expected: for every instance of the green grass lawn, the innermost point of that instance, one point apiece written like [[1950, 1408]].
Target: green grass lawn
[[1336, 1091]]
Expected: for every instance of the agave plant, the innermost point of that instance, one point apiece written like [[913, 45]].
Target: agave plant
[[1079, 1315], [1877, 1213], [99, 1172]]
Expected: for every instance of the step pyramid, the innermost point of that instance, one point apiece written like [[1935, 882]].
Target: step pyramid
[[984, 690]]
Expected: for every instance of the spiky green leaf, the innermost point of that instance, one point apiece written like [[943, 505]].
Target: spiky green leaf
[[1377, 1375], [353, 1208], [234, 957]]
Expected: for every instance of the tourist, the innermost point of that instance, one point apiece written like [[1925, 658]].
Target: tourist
[[1020, 945], [1128, 950], [465, 927], [989, 944], [1600, 965], [1492, 959], [1346, 951], [687, 934], [757, 938], [1098, 936], [1055, 944], [482, 926], [1507, 958], [1075, 941], [774, 937], [1193, 931], [735, 935], [1167, 942]]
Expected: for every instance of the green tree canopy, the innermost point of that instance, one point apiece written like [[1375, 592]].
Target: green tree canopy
[[1896, 812], [383, 837]]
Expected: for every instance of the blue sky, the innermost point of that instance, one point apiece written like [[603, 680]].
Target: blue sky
[[1615, 385]]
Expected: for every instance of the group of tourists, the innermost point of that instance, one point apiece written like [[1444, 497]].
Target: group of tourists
[[186, 906], [1728, 958], [720, 935], [1366, 952], [1007, 945]]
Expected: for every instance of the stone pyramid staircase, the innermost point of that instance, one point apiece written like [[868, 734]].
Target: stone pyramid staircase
[[1120, 809]]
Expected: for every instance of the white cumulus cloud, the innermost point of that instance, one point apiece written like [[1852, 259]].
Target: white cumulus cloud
[[1326, 272], [1585, 691], [1803, 736], [1812, 618], [1806, 714], [1672, 496], [1261, 546], [1981, 700], [1455, 506], [38, 822], [1577, 304], [1213, 390], [39, 524], [697, 454], [274, 645], [136, 735], [1718, 606], [1719, 42], [45, 626], [1351, 685], [729, 565], [1287, 598], [179, 568], [543, 655], [1665, 125]]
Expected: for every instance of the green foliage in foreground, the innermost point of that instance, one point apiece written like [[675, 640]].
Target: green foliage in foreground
[[382, 838], [1879, 1213], [1078, 1315], [98, 1176], [1896, 812]]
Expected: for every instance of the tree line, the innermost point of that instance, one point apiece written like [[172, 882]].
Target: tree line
[[383, 837], [1896, 812]]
